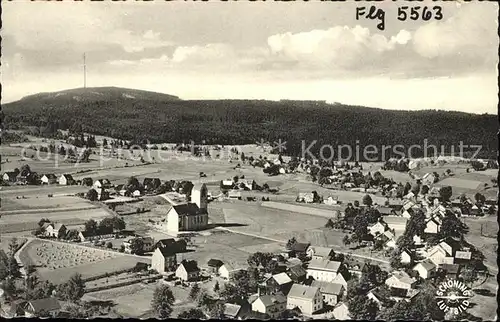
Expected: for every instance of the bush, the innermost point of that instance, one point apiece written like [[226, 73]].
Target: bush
[[122, 249], [109, 245]]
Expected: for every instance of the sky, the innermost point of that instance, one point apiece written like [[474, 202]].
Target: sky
[[256, 50]]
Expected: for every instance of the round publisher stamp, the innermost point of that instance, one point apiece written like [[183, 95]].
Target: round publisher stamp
[[453, 297]]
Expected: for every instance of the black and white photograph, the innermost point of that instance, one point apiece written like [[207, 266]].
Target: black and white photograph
[[249, 160]]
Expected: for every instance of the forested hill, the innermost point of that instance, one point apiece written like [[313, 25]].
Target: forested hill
[[138, 115]]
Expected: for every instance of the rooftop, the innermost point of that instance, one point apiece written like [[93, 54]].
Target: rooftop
[[324, 264], [303, 291]]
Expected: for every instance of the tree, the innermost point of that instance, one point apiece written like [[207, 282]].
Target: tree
[[91, 226], [43, 221], [367, 200], [106, 225], [271, 266], [118, 223], [291, 243], [162, 302], [192, 314], [398, 311], [217, 311], [73, 289], [373, 275], [362, 308], [445, 193], [195, 291], [453, 227], [137, 246], [329, 223], [360, 228], [13, 267], [469, 275], [346, 240], [424, 189], [216, 287], [92, 195], [109, 245], [480, 198]]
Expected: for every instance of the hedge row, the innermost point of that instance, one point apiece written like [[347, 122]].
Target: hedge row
[[121, 284], [121, 271]]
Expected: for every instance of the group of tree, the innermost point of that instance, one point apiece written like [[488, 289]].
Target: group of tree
[[9, 267], [246, 121], [106, 226]]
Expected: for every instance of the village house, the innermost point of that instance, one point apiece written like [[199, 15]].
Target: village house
[[318, 252], [178, 246], [10, 176], [332, 201], [247, 184], [234, 194], [272, 305], [214, 265], [439, 256], [387, 238], [300, 249], [307, 299], [406, 256], [376, 229], [48, 178], [400, 279], [233, 311], [395, 294], [408, 213], [186, 217], [323, 270], [449, 270], [428, 179], [341, 312], [163, 260], [226, 185], [56, 230], [386, 211], [102, 183], [425, 269], [297, 273], [307, 197], [148, 244], [228, 271], [46, 307], [354, 266], [66, 180], [331, 292], [187, 270], [396, 223], [279, 283]]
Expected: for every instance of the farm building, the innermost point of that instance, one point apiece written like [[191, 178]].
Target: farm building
[[232, 311], [400, 279], [163, 260], [55, 230], [307, 298], [307, 197], [332, 201], [247, 184], [214, 265], [226, 184], [178, 246], [49, 306], [49, 178], [300, 249], [234, 194], [199, 195], [297, 273], [323, 270], [188, 270], [318, 252], [279, 283], [186, 217], [151, 183], [228, 271], [66, 180], [341, 312]]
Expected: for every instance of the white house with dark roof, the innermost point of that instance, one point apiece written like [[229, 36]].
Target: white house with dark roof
[[331, 292], [48, 178], [164, 259], [319, 252], [273, 305], [307, 299], [323, 270], [66, 179], [425, 269]]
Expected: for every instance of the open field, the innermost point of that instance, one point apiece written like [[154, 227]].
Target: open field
[[135, 300], [5, 240], [66, 202], [29, 221], [484, 300], [460, 183], [487, 245], [56, 262], [300, 208]]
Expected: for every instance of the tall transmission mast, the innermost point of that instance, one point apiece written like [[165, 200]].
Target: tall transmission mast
[[84, 72]]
